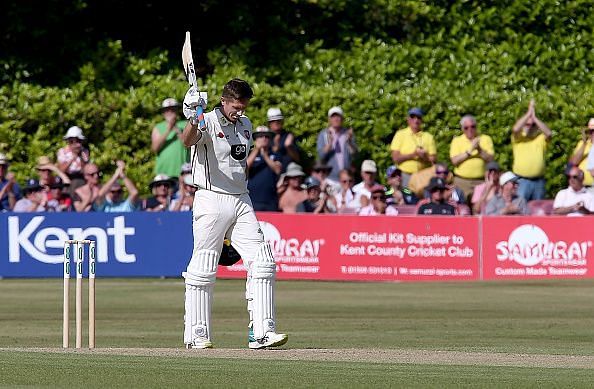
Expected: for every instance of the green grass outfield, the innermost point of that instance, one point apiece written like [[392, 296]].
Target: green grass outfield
[[510, 334]]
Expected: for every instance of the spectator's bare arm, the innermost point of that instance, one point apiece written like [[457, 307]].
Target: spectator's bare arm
[[291, 149], [132, 190], [522, 120], [398, 157]]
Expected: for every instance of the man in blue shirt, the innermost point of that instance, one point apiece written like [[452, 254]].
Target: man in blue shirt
[[10, 192], [111, 199], [264, 166]]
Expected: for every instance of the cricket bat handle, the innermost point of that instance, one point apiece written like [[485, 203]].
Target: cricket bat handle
[[199, 118]]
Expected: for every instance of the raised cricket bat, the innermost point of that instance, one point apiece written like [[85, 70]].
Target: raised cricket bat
[[188, 62]]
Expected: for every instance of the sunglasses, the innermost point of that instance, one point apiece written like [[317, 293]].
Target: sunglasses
[[347, 181], [575, 177], [43, 170], [262, 136], [93, 174], [469, 127], [378, 197], [415, 117], [442, 171], [74, 140], [163, 184]]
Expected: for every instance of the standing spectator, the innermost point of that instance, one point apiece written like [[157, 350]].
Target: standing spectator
[[185, 200], [412, 148], [10, 191], [57, 199], [484, 192], [322, 172], [35, 199], [581, 152], [396, 193], [264, 167], [368, 175], [469, 153], [291, 192], [336, 145], [507, 201], [73, 157], [166, 140], [378, 204], [315, 202], [575, 200], [437, 204], [283, 142], [161, 198], [85, 196], [347, 201], [530, 137], [110, 197]]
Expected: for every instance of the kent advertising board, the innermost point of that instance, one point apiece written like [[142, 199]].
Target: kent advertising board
[[537, 247], [377, 248]]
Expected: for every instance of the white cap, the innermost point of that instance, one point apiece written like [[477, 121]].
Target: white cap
[[335, 111], [3, 159], [74, 132], [274, 114], [507, 177], [369, 166], [170, 103]]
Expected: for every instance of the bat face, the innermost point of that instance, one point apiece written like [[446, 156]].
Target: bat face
[[188, 61]]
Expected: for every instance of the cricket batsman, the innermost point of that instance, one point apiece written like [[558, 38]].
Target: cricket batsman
[[220, 141]]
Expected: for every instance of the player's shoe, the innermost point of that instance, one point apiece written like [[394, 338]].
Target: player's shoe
[[271, 339], [199, 343]]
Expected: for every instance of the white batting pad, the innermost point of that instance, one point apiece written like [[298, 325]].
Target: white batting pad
[[202, 269], [197, 317], [261, 288]]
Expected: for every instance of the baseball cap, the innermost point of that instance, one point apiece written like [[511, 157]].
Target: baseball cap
[[416, 111], [391, 170], [3, 159], [274, 114], [74, 132], [369, 166], [507, 177], [57, 183], [335, 111], [161, 178], [377, 188], [262, 131], [436, 183], [493, 165], [170, 102], [32, 185], [311, 182]]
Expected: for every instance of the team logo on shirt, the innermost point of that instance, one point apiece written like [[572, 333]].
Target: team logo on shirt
[[238, 152], [221, 135], [247, 134]]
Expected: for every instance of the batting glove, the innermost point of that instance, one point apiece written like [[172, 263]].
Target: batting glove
[[193, 99]]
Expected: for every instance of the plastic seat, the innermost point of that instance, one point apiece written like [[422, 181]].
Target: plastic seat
[[540, 207]]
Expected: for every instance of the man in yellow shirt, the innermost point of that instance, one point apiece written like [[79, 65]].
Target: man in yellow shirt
[[580, 154], [412, 148], [469, 153], [530, 137]]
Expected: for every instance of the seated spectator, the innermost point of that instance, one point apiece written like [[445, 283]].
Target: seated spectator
[[368, 176], [283, 142], [290, 189], [412, 148], [59, 200], [437, 204], [166, 140], [10, 191], [347, 201], [110, 197], [336, 145], [469, 153], [484, 192], [378, 205], [85, 196], [397, 194], [186, 170], [575, 200], [322, 173], [73, 157], [35, 199], [453, 194], [315, 202], [45, 168], [161, 198], [507, 201], [185, 200], [264, 167], [580, 154], [530, 139]]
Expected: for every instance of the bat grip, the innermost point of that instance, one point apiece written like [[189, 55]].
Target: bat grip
[[200, 118]]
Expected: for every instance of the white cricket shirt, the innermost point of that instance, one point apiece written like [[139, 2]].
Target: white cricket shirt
[[219, 157]]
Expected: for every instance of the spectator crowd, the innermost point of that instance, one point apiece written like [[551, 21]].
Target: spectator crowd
[[471, 182]]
